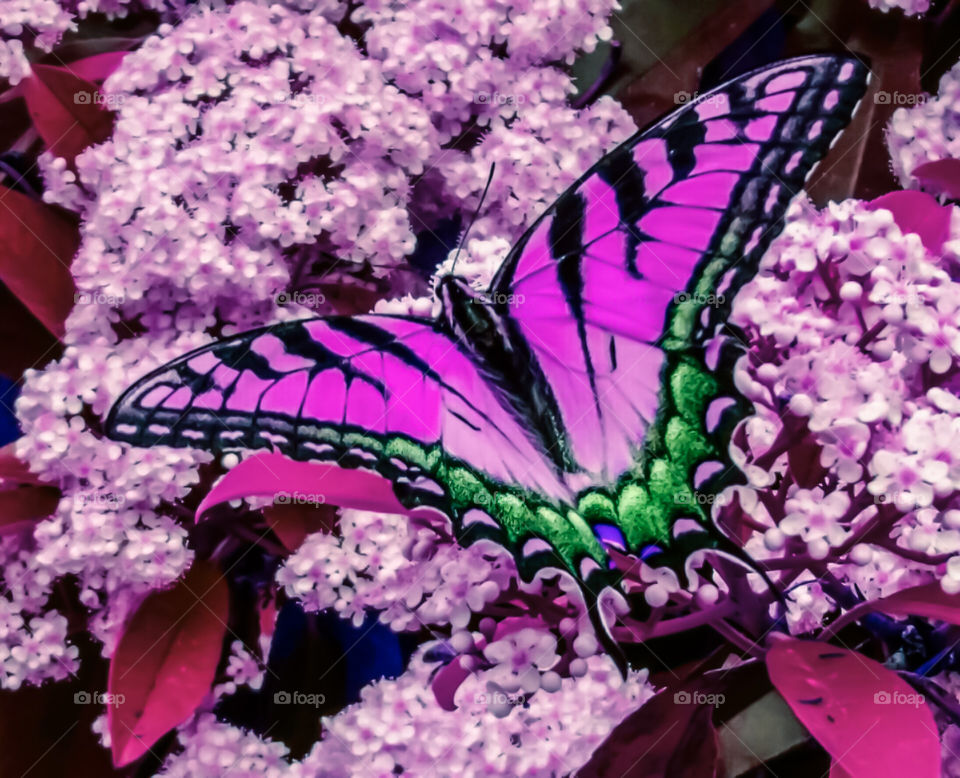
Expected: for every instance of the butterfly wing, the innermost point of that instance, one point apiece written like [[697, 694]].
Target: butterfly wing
[[620, 286], [386, 393]]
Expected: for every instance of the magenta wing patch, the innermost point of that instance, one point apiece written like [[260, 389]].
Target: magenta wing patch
[[597, 283], [304, 387]]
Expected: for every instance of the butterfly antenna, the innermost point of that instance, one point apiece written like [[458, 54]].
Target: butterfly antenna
[[476, 213]]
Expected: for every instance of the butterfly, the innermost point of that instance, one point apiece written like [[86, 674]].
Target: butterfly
[[583, 404]]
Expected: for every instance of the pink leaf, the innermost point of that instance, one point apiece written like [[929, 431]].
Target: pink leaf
[[66, 110], [165, 662], [920, 213], [668, 736], [941, 176], [285, 480], [36, 248], [98, 67], [928, 601], [446, 682], [866, 717]]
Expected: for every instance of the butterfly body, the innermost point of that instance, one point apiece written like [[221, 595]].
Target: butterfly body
[[482, 327], [586, 400]]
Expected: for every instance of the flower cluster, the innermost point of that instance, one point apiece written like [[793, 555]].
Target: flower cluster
[[398, 725], [410, 575], [927, 131], [854, 353]]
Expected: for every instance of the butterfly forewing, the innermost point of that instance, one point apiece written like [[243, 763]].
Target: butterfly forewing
[[620, 286]]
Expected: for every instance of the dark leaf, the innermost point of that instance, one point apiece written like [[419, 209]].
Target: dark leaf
[[165, 661], [37, 246], [67, 111], [671, 734]]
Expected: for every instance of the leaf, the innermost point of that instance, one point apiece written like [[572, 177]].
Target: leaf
[[929, 601], [446, 682], [941, 176], [165, 662], [88, 47], [669, 735], [22, 507], [292, 523], [36, 248], [865, 716], [13, 469], [920, 213], [98, 67], [268, 474], [66, 110], [27, 343]]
